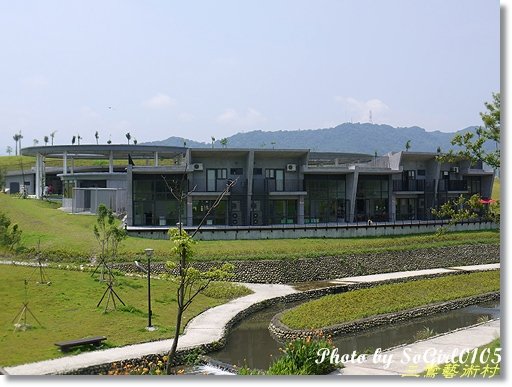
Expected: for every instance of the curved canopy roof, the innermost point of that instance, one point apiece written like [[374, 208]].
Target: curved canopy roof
[[92, 151]]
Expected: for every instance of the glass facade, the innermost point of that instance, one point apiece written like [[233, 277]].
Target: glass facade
[[372, 198], [283, 211], [217, 217], [326, 199], [153, 202]]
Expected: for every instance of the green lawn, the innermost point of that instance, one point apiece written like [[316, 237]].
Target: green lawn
[[67, 310], [66, 236], [345, 307]]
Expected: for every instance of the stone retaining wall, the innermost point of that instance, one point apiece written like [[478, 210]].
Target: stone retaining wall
[[282, 332], [317, 269]]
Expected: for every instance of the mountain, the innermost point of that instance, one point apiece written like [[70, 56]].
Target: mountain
[[347, 137]]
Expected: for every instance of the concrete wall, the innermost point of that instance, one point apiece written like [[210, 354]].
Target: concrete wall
[[29, 177], [329, 231]]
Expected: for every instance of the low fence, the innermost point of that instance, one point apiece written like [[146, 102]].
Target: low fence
[[317, 230]]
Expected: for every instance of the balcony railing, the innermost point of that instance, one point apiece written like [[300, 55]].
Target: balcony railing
[[288, 185], [453, 185], [413, 185]]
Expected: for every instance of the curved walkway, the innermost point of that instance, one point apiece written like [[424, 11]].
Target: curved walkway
[[398, 360], [205, 328]]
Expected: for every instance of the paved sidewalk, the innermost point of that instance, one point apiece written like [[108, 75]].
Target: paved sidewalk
[[463, 339], [203, 329], [414, 273]]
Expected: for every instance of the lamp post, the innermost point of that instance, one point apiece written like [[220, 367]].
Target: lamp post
[[150, 327]]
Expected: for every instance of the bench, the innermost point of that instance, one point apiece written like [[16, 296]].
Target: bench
[[67, 345]]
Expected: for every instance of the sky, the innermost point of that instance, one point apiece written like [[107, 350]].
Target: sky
[[197, 69]]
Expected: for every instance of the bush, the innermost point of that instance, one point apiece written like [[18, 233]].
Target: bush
[[10, 234], [299, 358]]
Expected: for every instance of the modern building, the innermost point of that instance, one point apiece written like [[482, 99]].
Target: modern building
[[152, 184]]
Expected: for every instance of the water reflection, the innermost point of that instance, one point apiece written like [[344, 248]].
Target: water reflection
[[250, 341]]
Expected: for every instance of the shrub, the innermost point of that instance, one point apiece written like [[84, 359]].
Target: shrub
[[10, 234], [299, 358]]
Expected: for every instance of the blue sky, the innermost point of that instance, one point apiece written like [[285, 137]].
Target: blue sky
[[198, 69]]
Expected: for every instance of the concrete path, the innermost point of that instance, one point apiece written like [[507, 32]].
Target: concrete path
[[415, 273], [203, 329], [401, 364]]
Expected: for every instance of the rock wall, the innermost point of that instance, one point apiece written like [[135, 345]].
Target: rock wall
[[283, 332], [317, 269]]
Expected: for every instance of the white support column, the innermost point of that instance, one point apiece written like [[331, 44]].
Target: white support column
[[111, 162], [38, 188], [65, 163], [189, 211], [156, 159], [300, 210]]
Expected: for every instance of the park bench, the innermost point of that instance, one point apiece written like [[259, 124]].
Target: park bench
[[67, 345]]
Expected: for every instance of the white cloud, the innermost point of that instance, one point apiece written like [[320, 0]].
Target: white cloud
[[160, 101], [359, 111], [233, 118]]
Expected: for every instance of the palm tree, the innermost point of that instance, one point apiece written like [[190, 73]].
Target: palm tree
[[273, 144], [16, 138], [73, 140], [213, 141], [128, 137], [224, 142], [8, 150], [79, 138], [97, 137], [46, 139], [19, 140], [109, 140], [408, 145], [52, 135], [36, 141], [134, 141]]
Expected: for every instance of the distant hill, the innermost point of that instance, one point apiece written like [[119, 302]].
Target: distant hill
[[348, 137]]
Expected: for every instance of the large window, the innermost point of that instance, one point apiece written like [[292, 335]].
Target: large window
[[216, 179], [217, 216], [276, 176], [153, 202], [325, 201], [283, 211], [372, 198]]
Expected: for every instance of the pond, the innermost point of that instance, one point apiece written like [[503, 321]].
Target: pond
[[250, 343]]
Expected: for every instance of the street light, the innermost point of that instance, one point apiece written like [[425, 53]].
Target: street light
[[150, 327]]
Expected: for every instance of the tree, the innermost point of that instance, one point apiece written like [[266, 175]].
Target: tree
[[73, 140], [128, 137], [2, 179], [191, 281], [79, 138], [408, 145], [46, 139], [8, 150], [224, 142], [97, 137], [20, 136], [273, 143], [10, 234], [16, 138], [473, 147], [213, 141], [35, 141], [135, 141], [52, 135]]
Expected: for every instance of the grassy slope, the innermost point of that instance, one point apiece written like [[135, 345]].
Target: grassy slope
[[340, 308], [496, 189], [67, 310]]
